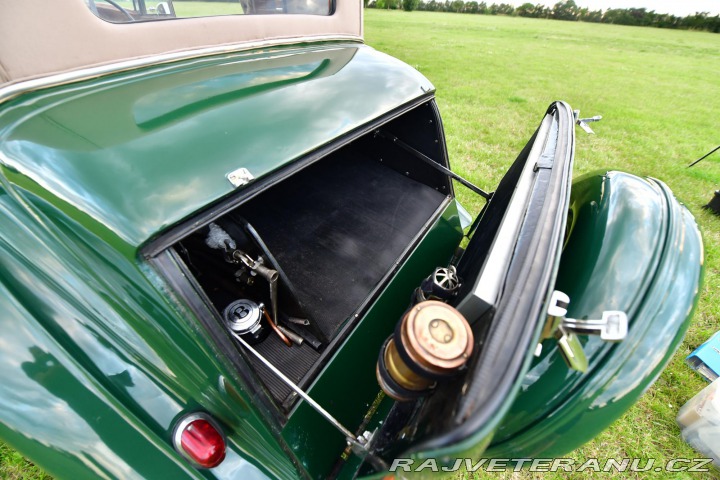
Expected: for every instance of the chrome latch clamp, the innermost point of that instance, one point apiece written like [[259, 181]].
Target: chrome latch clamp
[[612, 327], [583, 122]]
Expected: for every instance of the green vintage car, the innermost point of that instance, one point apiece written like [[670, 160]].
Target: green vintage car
[[231, 248]]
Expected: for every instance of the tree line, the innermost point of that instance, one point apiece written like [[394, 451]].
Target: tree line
[[563, 10]]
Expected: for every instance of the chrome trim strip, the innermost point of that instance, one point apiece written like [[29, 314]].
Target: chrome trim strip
[[10, 91]]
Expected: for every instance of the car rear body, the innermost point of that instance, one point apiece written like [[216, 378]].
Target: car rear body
[[309, 152]]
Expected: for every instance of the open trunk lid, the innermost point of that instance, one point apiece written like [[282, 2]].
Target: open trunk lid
[[628, 248], [509, 271]]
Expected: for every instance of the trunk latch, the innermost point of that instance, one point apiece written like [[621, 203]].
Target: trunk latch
[[612, 327]]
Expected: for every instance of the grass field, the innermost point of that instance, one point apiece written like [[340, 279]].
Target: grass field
[[659, 94], [195, 9]]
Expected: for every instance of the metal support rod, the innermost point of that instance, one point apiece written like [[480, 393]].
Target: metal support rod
[[348, 450], [421, 156], [705, 156], [348, 435]]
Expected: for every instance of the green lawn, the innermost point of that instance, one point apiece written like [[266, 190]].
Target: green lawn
[[193, 9], [659, 93], [14, 467], [200, 9]]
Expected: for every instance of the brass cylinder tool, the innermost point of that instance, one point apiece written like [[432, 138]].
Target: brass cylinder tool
[[296, 339], [401, 372], [433, 341]]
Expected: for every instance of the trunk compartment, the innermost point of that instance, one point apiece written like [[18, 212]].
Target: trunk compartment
[[352, 231], [333, 231]]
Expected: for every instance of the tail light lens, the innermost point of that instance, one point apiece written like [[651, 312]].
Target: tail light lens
[[199, 439]]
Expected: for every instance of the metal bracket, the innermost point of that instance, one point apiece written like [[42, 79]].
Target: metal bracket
[[583, 122], [240, 177], [572, 351], [559, 302], [612, 327]]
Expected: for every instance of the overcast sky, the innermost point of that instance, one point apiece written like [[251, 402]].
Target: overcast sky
[[681, 7]]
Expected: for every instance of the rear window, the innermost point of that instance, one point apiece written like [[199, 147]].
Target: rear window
[[127, 11]]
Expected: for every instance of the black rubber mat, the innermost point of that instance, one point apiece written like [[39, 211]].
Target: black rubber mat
[[337, 228], [293, 361]]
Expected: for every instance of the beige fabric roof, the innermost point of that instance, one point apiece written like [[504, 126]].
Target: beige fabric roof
[[39, 38]]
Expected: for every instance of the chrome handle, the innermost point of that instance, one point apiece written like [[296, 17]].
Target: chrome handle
[[583, 122], [612, 327]]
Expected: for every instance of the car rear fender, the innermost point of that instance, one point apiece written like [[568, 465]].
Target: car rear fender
[[633, 248]]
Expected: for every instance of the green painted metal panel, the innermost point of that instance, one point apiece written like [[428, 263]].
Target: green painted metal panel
[[130, 154], [100, 362], [347, 386], [102, 359], [633, 248], [90, 172]]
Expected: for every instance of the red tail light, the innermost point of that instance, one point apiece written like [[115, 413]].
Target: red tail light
[[199, 439]]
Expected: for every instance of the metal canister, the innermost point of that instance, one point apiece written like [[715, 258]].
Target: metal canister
[[243, 317], [433, 341]]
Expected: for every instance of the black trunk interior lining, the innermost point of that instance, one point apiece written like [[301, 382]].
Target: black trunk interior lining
[[335, 229], [338, 227]]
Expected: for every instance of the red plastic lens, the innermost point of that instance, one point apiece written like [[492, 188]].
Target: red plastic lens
[[203, 443]]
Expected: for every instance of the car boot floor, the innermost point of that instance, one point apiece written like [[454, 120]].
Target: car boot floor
[[336, 229]]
